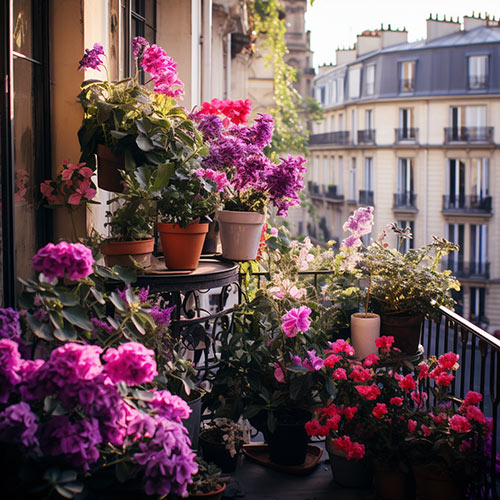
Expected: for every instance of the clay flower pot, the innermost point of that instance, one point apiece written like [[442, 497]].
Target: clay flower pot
[[213, 495], [405, 330], [182, 245], [108, 169], [365, 330], [119, 253]]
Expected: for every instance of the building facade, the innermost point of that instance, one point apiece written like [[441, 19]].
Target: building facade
[[413, 129]]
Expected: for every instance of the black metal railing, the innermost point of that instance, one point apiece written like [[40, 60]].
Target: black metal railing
[[406, 200], [469, 134], [467, 203], [406, 134], [467, 269], [366, 136], [330, 138], [365, 197], [479, 369], [332, 194]]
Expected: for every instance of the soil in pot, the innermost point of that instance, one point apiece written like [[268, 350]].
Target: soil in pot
[[217, 453], [405, 330], [108, 169], [119, 253], [182, 245]]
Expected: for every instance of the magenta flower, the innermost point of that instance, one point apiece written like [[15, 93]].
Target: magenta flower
[[278, 373], [137, 45], [380, 410], [84, 191], [9, 323], [296, 320], [18, 423], [460, 424], [361, 222], [170, 406], [472, 398], [352, 241], [91, 58], [448, 361]]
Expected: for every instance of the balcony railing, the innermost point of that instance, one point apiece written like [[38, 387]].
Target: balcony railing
[[467, 204], [332, 194], [366, 136], [366, 197], [330, 138], [461, 269], [469, 134], [406, 200], [328, 192], [406, 134]]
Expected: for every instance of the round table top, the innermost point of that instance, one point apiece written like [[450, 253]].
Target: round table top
[[210, 273]]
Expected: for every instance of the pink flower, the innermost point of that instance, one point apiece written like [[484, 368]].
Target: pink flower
[[384, 342], [341, 345], [371, 359], [314, 428], [314, 362], [472, 398], [361, 222], [349, 412], [48, 192], [296, 320], [396, 401], [474, 413], [423, 370], [273, 231], [380, 410], [444, 379], [460, 424], [339, 374], [407, 383], [369, 392], [426, 430], [352, 449], [69, 169], [418, 397], [448, 361], [83, 191], [351, 241], [359, 374], [332, 360], [278, 373], [412, 425], [86, 172], [440, 418]]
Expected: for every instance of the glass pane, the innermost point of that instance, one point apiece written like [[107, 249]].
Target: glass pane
[[25, 155], [23, 38]]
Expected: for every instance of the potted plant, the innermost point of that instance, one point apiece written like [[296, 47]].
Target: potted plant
[[254, 180], [221, 441], [189, 194], [132, 221], [126, 124], [207, 482]]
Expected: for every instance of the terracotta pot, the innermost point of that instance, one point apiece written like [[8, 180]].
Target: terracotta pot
[[217, 453], [349, 473], [392, 483], [118, 253], [405, 330], [365, 330], [214, 495], [182, 245], [108, 169], [240, 234], [434, 482]]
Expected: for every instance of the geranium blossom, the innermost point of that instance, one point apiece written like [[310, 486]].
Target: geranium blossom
[[407, 383], [340, 345], [332, 360], [380, 410], [349, 412], [296, 320], [384, 342], [396, 401], [440, 418], [92, 59], [369, 392], [359, 374], [472, 398], [361, 222], [371, 359], [9, 323], [448, 361], [339, 374], [474, 413], [444, 379], [460, 424], [427, 431], [412, 425], [353, 450]]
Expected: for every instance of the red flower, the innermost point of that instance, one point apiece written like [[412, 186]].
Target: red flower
[[474, 413], [460, 424], [384, 342], [440, 418], [444, 379], [349, 412], [371, 359], [418, 397], [314, 428], [448, 361], [472, 398], [360, 374], [380, 410], [396, 401], [332, 360], [426, 430], [369, 392], [412, 425], [341, 345], [423, 370], [352, 449], [407, 383], [339, 374]]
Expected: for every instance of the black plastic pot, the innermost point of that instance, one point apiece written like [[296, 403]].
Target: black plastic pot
[[218, 454]]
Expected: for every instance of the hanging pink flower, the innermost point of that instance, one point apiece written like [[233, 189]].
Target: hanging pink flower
[[296, 320]]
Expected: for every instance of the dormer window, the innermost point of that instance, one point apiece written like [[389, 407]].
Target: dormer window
[[370, 80], [478, 72], [407, 76]]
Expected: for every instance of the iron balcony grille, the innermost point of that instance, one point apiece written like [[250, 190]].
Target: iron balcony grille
[[406, 200], [472, 269], [406, 134], [467, 203], [330, 138], [332, 194], [366, 197], [469, 134], [366, 136]]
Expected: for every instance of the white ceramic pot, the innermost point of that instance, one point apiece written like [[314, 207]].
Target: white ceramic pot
[[240, 234], [365, 330]]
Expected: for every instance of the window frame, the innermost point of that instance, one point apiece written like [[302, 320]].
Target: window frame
[[401, 79], [487, 74]]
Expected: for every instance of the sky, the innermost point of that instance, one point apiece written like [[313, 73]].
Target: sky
[[335, 23]]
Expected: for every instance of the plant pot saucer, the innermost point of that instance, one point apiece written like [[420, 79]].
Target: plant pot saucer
[[258, 452]]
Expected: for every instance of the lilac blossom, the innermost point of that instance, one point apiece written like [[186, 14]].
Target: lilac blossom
[[9, 323], [161, 316], [296, 320], [18, 423], [138, 43], [169, 406], [91, 58], [229, 151]]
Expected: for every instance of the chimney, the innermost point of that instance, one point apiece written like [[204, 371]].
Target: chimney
[[345, 56], [390, 37], [324, 68], [473, 22], [368, 41], [438, 28]]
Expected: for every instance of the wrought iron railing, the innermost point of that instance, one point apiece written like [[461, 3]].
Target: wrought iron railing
[[471, 269], [330, 138], [366, 136], [406, 200], [366, 197], [467, 203], [468, 134], [406, 134]]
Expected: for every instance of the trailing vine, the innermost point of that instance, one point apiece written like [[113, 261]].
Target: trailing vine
[[289, 131]]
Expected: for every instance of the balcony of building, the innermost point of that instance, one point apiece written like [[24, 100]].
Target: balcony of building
[[468, 135], [467, 204], [467, 270], [330, 139], [366, 136], [405, 202], [366, 197], [325, 193], [406, 135]]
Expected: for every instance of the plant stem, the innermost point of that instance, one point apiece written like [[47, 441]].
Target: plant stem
[[75, 234]]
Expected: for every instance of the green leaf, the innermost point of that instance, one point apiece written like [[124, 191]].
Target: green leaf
[[67, 298], [65, 333], [271, 422], [26, 300], [77, 316], [144, 143], [298, 387], [162, 176], [122, 472], [138, 325], [97, 294], [104, 272], [297, 369], [118, 302], [64, 492], [126, 274]]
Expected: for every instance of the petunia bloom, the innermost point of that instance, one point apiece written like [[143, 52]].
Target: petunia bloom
[[296, 320]]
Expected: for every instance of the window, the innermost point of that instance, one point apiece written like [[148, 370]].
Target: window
[[406, 130], [353, 126], [479, 178], [352, 180], [455, 234], [478, 305], [335, 96], [456, 184], [340, 89], [478, 72], [340, 179], [479, 249], [468, 123], [369, 119], [368, 174], [341, 122], [370, 80], [332, 123], [405, 244], [139, 20], [405, 177], [354, 82], [407, 76]]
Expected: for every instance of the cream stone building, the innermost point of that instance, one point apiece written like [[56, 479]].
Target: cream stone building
[[413, 129]]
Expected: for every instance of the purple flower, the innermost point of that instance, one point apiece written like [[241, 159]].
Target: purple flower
[[262, 130], [361, 222], [10, 365], [137, 45], [71, 259], [9, 323], [143, 294], [225, 154], [296, 320], [123, 294], [131, 363], [102, 325], [314, 363], [161, 316], [91, 58], [74, 361], [351, 241], [140, 425], [167, 460], [211, 127], [170, 406], [18, 423]]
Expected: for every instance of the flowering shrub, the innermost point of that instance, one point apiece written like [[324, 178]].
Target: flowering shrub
[[74, 408]]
